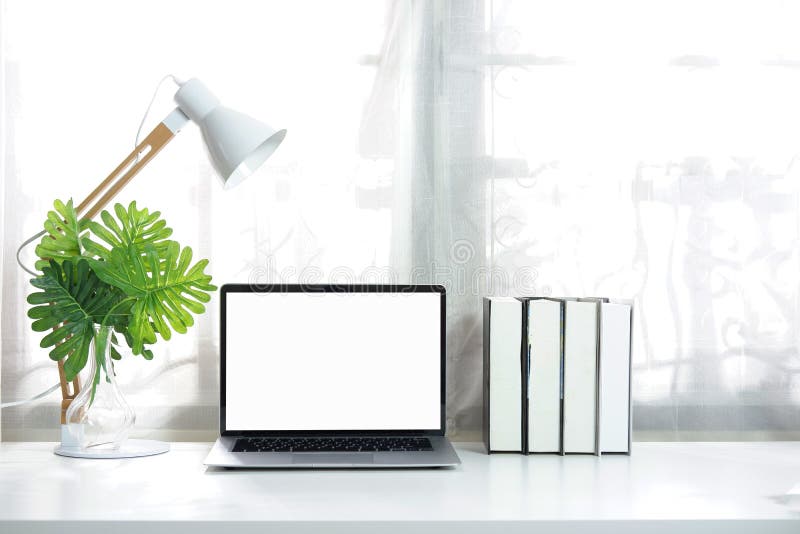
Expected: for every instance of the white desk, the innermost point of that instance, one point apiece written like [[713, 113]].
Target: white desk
[[680, 487]]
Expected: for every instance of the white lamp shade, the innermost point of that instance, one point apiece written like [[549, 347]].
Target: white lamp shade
[[237, 143]]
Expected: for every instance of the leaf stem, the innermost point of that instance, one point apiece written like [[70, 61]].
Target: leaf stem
[[100, 354]]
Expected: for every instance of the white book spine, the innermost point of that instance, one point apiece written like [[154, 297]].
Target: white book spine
[[615, 362], [505, 377], [544, 383], [581, 377]]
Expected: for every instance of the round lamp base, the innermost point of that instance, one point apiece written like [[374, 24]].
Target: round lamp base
[[131, 448]]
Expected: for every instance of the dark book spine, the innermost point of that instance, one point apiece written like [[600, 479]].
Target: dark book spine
[[525, 369], [561, 387], [487, 318]]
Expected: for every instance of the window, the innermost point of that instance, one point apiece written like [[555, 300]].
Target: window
[[642, 150]]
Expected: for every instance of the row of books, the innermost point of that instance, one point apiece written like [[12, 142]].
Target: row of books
[[557, 375]]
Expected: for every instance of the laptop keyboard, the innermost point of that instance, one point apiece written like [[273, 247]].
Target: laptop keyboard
[[333, 444]]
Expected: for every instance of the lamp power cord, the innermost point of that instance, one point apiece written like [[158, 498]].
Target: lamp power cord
[[36, 397]]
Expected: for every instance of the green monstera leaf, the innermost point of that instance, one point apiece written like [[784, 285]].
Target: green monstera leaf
[[167, 289], [71, 301], [133, 226], [122, 324], [123, 272], [63, 239]]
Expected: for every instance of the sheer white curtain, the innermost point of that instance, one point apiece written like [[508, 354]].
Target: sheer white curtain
[[660, 140], [631, 149], [78, 81]]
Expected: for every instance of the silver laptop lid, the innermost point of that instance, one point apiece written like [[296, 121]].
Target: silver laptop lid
[[332, 359]]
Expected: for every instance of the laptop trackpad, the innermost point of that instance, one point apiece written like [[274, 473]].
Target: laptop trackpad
[[332, 458]]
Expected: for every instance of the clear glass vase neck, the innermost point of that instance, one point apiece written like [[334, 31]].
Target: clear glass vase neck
[[99, 416]]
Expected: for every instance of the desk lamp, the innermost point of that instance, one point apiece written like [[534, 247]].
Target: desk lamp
[[237, 145]]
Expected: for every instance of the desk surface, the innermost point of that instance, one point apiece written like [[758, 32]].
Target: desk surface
[[738, 487]]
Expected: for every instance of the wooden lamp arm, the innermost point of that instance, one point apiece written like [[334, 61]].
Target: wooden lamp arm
[[113, 184], [130, 167]]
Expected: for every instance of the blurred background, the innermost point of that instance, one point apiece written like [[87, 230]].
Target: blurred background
[[630, 149]]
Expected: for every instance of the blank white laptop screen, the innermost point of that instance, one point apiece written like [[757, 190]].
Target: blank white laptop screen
[[332, 361]]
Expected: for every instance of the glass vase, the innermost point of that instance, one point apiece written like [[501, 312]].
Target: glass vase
[[99, 418]]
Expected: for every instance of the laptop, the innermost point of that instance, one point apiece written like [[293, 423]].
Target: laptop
[[332, 376]]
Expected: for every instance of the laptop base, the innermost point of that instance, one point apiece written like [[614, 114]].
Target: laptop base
[[442, 455]]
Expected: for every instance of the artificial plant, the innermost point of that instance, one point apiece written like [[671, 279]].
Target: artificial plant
[[124, 273]]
